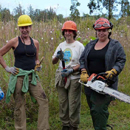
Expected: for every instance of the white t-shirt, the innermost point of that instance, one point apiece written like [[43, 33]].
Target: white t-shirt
[[72, 52]]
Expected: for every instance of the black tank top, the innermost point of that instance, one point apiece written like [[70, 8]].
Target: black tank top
[[96, 60], [25, 55]]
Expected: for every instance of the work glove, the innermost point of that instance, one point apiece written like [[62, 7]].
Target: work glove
[[66, 72], [110, 73], [12, 70], [38, 67], [60, 54], [1, 94], [84, 76]]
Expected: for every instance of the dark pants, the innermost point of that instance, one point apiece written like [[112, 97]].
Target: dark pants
[[98, 104]]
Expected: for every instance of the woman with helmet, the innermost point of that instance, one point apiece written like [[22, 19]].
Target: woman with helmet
[[101, 55], [67, 76], [23, 75]]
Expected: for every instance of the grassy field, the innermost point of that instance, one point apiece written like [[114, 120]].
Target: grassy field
[[49, 36]]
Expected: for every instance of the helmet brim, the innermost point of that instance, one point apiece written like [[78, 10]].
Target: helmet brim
[[21, 25], [69, 29]]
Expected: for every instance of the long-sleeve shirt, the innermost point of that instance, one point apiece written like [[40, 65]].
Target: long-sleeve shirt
[[115, 58]]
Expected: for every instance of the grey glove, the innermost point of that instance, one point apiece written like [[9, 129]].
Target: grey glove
[[12, 70], [60, 54], [66, 72], [38, 67]]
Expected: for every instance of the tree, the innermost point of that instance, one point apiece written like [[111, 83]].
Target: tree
[[93, 6], [51, 13], [74, 11], [37, 14], [5, 14], [0, 13], [18, 11], [44, 15], [31, 12], [60, 17], [125, 8], [109, 5]]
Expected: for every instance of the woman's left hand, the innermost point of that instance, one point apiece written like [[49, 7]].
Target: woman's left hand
[[111, 73], [66, 72], [38, 67]]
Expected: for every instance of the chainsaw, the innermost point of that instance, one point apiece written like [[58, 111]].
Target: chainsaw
[[99, 83]]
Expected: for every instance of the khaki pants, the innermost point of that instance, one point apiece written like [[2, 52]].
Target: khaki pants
[[69, 103], [19, 111]]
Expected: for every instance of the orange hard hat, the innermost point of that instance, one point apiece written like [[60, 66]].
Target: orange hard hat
[[102, 23], [69, 25]]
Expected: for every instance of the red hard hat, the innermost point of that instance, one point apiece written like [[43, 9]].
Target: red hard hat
[[102, 23], [69, 25]]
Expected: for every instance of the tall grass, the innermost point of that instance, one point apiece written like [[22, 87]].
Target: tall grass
[[49, 36]]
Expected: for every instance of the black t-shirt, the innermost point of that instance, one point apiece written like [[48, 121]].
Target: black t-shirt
[[96, 60]]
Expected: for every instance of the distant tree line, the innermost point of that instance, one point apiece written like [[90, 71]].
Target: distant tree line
[[37, 14], [111, 6]]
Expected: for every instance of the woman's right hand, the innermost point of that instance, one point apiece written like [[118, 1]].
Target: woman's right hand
[[60, 54], [12, 70], [84, 75]]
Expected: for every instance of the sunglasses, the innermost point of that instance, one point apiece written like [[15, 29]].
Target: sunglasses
[[102, 25], [67, 30], [24, 27]]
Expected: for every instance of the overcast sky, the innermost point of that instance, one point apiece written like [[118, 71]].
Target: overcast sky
[[60, 6]]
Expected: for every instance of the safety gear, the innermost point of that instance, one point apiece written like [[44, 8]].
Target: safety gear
[[69, 25], [110, 73], [84, 76], [1, 94], [38, 67], [66, 72], [60, 54], [12, 70], [102, 23], [24, 20]]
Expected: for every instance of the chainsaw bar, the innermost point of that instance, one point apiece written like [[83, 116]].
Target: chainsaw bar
[[103, 88], [121, 96]]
